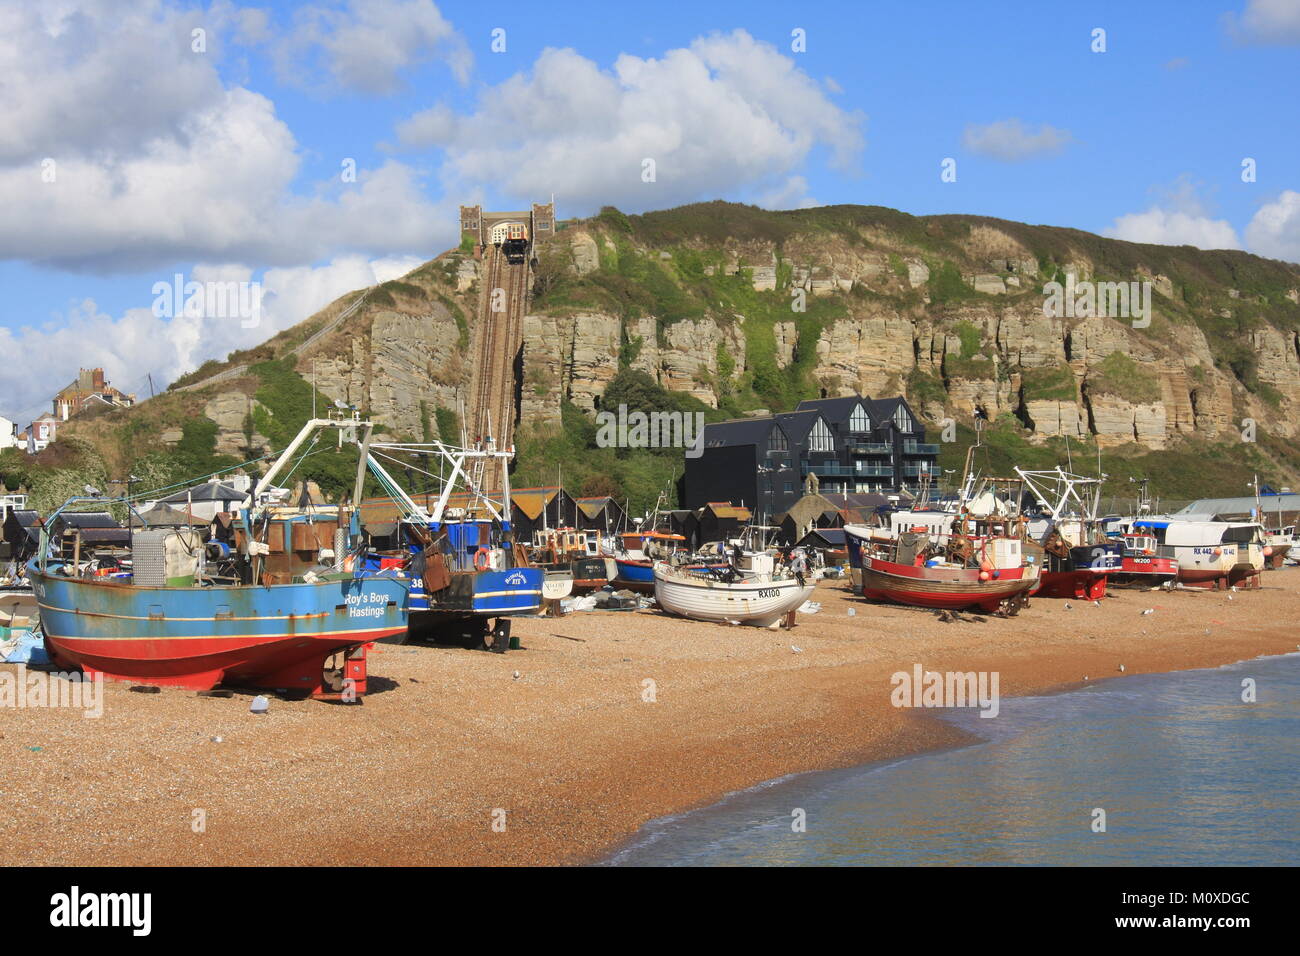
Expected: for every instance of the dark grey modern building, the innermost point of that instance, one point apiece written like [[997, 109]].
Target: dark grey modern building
[[852, 444]]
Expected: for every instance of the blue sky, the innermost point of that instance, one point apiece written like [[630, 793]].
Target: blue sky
[[225, 162]]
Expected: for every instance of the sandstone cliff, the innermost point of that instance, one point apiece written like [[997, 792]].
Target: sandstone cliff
[[744, 308]]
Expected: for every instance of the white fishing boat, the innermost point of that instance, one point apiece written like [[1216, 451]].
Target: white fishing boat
[[557, 584], [762, 597], [1210, 554]]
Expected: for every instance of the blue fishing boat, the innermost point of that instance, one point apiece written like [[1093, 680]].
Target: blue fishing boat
[[469, 575], [276, 599]]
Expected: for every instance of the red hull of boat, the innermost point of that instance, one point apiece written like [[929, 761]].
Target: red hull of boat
[[1145, 570], [1083, 585], [292, 662], [943, 588]]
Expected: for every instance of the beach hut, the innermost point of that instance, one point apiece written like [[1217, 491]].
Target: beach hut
[[720, 520], [829, 542], [209, 499], [533, 509], [603, 514], [22, 534]]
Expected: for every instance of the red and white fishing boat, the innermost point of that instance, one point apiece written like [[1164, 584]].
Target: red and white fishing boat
[[974, 558], [985, 569], [1142, 563]]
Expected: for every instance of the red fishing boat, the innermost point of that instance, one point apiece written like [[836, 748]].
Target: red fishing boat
[[953, 588], [984, 569], [1075, 557], [1143, 564]]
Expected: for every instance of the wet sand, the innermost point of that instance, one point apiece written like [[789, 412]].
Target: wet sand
[[575, 752]]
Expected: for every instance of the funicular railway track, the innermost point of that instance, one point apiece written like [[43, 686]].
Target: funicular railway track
[[500, 333]]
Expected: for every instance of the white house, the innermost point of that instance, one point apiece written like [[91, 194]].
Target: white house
[[8, 434], [41, 432]]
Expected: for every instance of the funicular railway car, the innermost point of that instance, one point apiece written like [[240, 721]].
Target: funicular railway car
[[512, 239]]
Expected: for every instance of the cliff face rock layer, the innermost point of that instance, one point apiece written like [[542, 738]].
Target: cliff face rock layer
[[744, 308]]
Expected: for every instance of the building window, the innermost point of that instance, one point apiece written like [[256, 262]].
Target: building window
[[859, 421], [776, 441], [820, 438], [789, 487], [903, 420]]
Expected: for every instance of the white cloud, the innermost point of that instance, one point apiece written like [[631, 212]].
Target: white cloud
[[791, 194], [1011, 141], [1271, 22], [1274, 230], [726, 112], [368, 43], [1177, 218], [131, 346], [73, 80], [178, 168], [1167, 228]]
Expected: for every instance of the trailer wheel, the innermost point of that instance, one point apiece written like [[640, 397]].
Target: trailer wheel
[[500, 638]]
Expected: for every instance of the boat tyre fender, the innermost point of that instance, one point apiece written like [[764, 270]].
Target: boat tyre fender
[[481, 559]]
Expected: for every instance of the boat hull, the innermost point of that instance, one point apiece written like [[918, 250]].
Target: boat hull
[[506, 593], [946, 588], [557, 585], [1219, 566], [753, 602], [588, 574], [635, 574], [274, 636], [1082, 585], [1145, 569], [1082, 575]]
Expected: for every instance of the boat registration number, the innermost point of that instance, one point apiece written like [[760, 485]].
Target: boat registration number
[[769, 592]]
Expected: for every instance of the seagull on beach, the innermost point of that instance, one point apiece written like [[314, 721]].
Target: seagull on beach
[[1121, 668]]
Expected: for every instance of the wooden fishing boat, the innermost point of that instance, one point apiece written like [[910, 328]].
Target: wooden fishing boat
[[951, 588], [1077, 558], [557, 584], [1080, 573], [271, 611], [577, 552], [707, 594]]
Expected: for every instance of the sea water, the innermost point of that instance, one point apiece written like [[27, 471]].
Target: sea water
[[1183, 770]]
